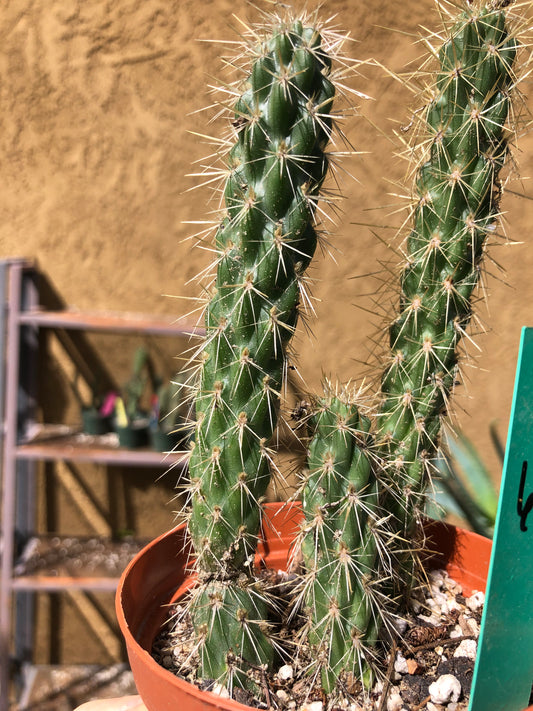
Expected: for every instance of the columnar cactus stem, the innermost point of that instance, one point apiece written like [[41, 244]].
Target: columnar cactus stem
[[282, 120], [339, 539], [457, 204]]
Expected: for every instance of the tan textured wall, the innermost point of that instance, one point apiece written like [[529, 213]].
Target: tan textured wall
[[97, 102]]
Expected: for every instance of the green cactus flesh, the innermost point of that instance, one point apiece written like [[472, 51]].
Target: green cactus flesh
[[339, 541], [457, 205], [267, 237]]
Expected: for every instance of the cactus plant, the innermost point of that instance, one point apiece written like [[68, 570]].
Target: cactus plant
[[367, 475], [168, 414]]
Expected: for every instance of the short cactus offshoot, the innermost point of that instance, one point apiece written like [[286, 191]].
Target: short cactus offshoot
[[281, 121], [340, 539]]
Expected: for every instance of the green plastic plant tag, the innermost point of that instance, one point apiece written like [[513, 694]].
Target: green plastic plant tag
[[504, 666]]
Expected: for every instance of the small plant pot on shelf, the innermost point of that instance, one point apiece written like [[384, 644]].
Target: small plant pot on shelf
[[163, 441], [134, 435], [94, 423], [159, 575]]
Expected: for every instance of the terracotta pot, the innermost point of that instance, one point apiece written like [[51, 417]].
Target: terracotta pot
[[157, 576]]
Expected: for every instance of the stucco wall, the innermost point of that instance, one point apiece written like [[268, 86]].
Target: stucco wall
[[98, 99]]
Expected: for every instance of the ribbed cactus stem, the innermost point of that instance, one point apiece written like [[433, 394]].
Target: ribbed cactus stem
[[457, 203], [281, 124], [339, 540]]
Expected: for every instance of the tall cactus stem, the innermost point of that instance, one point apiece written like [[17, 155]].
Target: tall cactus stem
[[347, 491], [456, 208], [281, 122]]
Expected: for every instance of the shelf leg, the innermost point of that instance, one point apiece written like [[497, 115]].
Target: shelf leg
[[11, 515], [9, 476]]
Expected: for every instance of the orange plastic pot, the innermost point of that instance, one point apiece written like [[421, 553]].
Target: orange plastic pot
[[158, 575]]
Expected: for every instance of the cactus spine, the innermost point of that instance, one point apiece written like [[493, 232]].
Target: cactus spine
[[456, 207], [281, 123]]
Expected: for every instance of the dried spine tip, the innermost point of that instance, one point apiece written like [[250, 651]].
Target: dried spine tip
[[281, 124]]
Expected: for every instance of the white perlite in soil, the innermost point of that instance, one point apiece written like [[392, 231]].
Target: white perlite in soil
[[430, 668]]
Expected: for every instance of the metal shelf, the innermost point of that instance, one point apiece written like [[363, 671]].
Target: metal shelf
[[132, 457], [109, 321], [45, 583], [21, 318], [49, 687], [76, 446], [54, 563]]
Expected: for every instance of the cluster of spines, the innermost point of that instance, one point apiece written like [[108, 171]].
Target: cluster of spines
[[281, 123]]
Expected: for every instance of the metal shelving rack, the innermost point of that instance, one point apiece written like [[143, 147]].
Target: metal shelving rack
[[20, 320]]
